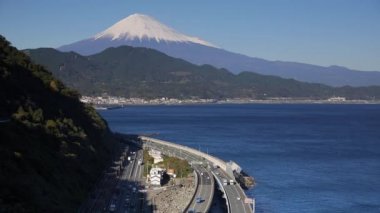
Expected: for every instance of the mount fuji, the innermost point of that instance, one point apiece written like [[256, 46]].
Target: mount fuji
[[140, 30]]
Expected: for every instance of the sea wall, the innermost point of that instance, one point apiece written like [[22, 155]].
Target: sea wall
[[214, 160]]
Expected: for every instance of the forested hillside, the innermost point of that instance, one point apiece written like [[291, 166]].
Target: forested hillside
[[146, 73], [52, 147]]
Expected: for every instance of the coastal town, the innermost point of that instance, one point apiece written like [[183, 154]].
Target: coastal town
[[104, 102], [115, 100]]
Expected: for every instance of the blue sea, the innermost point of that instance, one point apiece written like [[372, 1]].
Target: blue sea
[[305, 158]]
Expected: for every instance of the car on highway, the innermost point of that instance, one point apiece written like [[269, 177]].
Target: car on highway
[[238, 198], [198, 200]]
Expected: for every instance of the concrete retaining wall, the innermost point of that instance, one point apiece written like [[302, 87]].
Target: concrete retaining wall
[[215, 161]]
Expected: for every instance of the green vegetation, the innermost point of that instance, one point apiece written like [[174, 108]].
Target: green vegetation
[[146, 73], [53, 148], [148, 162], [181, 167]]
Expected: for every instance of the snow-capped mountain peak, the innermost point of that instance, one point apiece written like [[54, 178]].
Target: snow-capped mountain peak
[[139, 26]]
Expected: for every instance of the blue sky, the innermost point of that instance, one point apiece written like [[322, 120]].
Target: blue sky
[[322, 32]]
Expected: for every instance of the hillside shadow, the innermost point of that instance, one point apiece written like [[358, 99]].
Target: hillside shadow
[[112, 193]]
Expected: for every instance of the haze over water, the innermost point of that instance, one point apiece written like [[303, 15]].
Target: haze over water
[[305, 158]]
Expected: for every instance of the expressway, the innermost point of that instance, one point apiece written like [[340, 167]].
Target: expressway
[[234, 193], [104, 191], [130, 199], [205, 188], [120, 193]]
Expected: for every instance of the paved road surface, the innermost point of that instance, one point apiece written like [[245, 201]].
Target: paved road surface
[[205, 190], [234, 192], [126, 199], [130, 199], [206, 181]]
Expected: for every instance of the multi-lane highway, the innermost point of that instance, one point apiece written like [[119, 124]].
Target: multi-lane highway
[[202, 199], [105, 190], [234, 193], [121, 193], [204, 193], [129, 199]]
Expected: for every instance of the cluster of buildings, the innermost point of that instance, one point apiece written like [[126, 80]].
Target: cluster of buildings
[[120, 101], [337, 99], [110, 101], [156, 173]]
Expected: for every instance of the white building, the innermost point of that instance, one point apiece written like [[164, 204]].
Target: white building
[[155, 175], [157, 156]]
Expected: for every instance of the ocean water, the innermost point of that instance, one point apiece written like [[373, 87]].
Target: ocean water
[[305, 158]]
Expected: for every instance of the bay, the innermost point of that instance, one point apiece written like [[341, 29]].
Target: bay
[[304, 157]]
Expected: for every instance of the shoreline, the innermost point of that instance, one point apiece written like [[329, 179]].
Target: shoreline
[[114, 102], [111, 106]]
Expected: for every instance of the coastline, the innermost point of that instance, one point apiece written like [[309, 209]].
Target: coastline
[[109, 103], [321, 132]]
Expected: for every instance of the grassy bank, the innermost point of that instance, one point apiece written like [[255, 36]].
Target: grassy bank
[[181, 167]]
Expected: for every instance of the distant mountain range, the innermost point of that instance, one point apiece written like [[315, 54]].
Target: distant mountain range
[[147, 73], [143, 31]]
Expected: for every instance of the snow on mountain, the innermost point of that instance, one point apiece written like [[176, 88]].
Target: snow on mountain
[[139, 30], [139, 26]]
